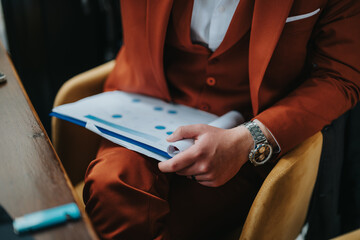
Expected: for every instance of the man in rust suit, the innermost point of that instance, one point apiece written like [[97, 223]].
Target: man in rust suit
[[290, 66]]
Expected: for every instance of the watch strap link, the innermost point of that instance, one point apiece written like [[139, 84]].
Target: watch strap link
[[256, 133]]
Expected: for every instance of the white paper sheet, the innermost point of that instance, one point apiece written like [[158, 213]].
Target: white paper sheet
[[137, 122]]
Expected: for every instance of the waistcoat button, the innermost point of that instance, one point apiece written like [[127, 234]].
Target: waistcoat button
[[205, 107], [210, 81]]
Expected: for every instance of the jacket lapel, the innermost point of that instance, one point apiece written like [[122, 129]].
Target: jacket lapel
[[268, 22], [239, 26], [157, 18]]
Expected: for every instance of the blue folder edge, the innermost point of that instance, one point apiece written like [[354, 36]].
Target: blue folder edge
[[112, 134]]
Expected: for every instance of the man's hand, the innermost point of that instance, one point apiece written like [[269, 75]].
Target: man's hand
[[216, 156]]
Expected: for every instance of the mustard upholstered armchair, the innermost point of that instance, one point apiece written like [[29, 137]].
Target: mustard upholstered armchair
[[280, 207]]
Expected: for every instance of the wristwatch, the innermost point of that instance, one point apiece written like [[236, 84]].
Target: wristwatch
[[262, 151]]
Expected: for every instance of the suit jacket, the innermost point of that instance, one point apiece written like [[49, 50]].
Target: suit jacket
[[304, 61]]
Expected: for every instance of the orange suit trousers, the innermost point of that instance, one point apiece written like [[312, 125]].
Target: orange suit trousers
[[127, 197]]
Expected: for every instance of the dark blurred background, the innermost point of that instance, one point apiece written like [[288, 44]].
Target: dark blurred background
[[50, 41]]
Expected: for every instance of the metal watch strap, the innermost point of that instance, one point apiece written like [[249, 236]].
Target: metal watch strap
[[256, 133], [262, 151]]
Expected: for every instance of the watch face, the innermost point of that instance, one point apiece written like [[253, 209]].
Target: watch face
[[261, 154]]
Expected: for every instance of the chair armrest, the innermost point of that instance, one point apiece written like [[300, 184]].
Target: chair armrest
[[280, 207]]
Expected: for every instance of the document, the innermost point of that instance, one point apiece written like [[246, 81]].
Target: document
[[139, 122]]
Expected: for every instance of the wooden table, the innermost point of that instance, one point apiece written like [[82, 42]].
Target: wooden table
[[31, 175]]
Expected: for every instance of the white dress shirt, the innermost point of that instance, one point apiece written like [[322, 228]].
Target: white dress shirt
[[210, 21]]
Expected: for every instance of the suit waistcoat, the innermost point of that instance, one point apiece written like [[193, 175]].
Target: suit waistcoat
[[198, 79]]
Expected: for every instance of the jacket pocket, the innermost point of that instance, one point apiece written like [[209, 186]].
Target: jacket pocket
[[301, 23], [302, 16]]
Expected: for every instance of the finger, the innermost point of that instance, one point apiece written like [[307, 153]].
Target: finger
[[183, 132], [200, 177], [179, 162], [197, 168], [209, 184], [188, 171], [205, 181]]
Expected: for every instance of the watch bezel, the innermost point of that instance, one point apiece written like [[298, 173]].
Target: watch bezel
[[253, 153]]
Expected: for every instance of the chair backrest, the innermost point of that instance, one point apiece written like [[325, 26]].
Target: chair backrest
[[75, 145]]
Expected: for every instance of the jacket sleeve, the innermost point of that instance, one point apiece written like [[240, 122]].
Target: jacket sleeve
[[333, 86]]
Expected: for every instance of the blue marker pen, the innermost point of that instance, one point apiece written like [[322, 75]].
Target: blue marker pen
[[46, 218]]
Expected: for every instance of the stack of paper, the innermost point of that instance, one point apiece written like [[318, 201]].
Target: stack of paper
[[138, 122]]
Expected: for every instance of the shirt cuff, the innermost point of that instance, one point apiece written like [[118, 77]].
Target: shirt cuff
[[278, 148]]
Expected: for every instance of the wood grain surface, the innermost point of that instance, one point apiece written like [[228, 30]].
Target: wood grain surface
[[31, 175]]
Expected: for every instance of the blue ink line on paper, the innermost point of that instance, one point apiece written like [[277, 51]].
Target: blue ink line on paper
[[124, 129]]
